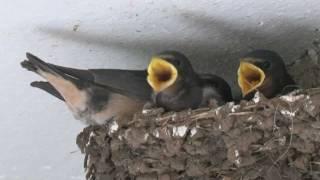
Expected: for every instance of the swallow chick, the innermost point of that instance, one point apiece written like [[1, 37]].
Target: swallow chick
[[215, 90], [263, 71], [176, 86], [93, 96]]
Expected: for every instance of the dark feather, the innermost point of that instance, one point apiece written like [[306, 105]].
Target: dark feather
[[48, 88], [131, 83]]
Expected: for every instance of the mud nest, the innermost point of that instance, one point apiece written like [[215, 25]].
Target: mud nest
[[259, 139]]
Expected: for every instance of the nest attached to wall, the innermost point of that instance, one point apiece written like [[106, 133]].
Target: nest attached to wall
[[266, 139]]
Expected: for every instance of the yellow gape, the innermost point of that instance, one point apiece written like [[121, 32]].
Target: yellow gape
[[250, 77], [161, 74]]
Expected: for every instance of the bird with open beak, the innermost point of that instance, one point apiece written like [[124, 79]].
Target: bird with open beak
[[263, 71], [94, 96], [176, 86]]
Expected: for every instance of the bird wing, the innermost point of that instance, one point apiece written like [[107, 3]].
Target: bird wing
[[130, 83]]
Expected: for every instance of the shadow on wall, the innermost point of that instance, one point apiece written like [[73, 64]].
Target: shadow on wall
[[213, 45]]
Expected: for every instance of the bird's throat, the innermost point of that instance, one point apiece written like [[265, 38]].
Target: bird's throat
[[161, 74], [250, 77]]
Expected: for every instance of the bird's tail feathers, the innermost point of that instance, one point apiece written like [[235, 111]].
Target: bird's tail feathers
[[55, 75], [48, 88]]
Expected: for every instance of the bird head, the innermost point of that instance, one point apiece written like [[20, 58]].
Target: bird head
[[166, 69], [258, 69]]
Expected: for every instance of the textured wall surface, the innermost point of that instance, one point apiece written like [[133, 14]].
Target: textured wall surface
[[37, 133]]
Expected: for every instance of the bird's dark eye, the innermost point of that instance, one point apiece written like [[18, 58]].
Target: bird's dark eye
[[265, 64], [178, 62]]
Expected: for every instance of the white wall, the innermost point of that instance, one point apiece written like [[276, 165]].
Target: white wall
[[37, 133]]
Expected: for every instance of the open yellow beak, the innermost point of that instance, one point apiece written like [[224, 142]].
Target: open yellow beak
[[161, 74], [250, 77]]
